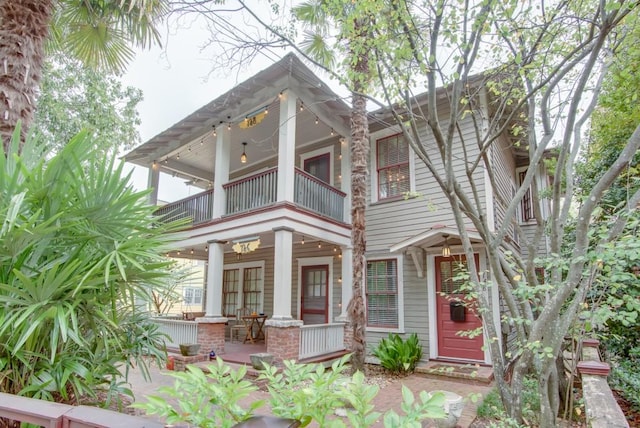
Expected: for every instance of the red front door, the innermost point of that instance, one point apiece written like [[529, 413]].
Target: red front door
[[315, 300], [451, 321]]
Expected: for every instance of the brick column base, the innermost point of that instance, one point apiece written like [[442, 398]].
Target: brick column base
[[211, 334], [348, 336], [283, 339]]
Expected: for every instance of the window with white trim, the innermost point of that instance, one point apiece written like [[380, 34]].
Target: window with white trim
[[526, 205], [242, 287], [392, 167], [382, 293], [192, 295]]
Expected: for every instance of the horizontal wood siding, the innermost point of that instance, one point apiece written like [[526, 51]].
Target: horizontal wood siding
[[504, 168], [390, 222]]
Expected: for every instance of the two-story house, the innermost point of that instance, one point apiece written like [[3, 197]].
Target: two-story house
[[273, 220]]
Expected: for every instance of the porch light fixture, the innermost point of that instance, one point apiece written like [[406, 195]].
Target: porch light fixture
[[215, 134], [446, 251], [302, 242], [243, 156]]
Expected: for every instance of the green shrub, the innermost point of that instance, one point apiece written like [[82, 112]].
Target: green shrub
[[625, 377], [399, 356], [78, 247], [308, 393], [492, 408]]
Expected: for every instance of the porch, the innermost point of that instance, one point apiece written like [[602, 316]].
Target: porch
[[255, 192], [314, 341]]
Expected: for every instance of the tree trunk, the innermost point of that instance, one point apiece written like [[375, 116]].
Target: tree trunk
[[24, 25], [359, 173]]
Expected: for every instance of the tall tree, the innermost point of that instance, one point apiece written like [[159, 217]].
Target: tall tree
[[96, 31], [545, 66], [321, 17], [76, 97]]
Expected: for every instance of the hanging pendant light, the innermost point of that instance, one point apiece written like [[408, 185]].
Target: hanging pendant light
[[243, 157], [446, 251]]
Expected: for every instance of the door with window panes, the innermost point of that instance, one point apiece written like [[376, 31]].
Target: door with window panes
[[315, 300], [455, 312]]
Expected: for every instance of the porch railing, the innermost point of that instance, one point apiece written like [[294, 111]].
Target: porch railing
[[252, 192], [199, 208], [320, 339], [178, 331], [318, 196]]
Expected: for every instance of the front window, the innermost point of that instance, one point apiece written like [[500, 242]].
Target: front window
[[230, 281], [526, 206], [252, 289], [242, 286], [392, 155], [382, 293]]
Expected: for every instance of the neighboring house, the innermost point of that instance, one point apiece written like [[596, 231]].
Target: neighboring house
[[273, 219]]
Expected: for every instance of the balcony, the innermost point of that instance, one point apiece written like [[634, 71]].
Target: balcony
[[258, 191]]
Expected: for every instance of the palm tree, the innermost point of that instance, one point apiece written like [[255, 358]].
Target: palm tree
[[98, 32], [318, 16]]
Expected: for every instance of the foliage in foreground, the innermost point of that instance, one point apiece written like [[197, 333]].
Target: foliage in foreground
[[493, 409], [625, 377], [397, 355], [305, 392], [78, 251]]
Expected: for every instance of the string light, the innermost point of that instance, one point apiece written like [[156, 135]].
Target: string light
[[266, 110], [178, 157], [332, 132], [280, 95], [243, 157], [317, 120], [302, 242], [166, 160], [215, 134], [301, 106], [229, 126]]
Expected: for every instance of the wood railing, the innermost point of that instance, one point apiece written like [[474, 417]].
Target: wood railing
[[56, 415], [321, 339], [259, 191], [178, 331], [252, 192], [198, 208], [318, 196]]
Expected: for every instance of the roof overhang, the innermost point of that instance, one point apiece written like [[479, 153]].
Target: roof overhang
[[433, 237]]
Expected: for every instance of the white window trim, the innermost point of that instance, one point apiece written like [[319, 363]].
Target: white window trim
[[320, 152], [316, 261], [373, 144], [400, 272], [519, 210], [242, 267], [194, 289]]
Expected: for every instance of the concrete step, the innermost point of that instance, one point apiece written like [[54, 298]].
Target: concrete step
[[452, 370]]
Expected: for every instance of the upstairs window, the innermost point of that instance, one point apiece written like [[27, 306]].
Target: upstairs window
[[526, 205], [392, 159]]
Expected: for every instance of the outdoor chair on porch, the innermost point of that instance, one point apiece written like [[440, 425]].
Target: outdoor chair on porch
[[239, 329]]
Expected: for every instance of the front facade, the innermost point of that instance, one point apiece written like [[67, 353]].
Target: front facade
[[273, 220]]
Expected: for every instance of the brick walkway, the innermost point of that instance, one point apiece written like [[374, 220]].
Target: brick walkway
[[389, 397]]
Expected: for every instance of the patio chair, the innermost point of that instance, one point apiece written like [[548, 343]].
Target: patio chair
[[240, 327]]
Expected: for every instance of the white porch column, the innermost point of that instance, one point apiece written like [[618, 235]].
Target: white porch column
[[347, 281], [345, 171], [287, 146], [213, 307], [282, 261], [153, 181], [221, 172]]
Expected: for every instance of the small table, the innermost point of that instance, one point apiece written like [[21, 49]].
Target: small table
[[249, 322]]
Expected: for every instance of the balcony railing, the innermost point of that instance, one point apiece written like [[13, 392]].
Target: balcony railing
[[259, 191], [318, 196], [252, 192], [198, 208], [321, 339]]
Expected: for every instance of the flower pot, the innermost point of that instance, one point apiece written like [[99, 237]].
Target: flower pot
[[189, 349]]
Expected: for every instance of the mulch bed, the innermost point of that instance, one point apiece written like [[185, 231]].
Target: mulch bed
[[633, 416]]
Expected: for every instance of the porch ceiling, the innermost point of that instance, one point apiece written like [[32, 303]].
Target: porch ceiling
[[187, 148]]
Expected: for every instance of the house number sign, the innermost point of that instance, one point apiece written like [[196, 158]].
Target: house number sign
[[245, 247], [252, 121]]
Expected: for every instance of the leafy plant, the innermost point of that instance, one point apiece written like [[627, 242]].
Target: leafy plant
[[397, 355], [308, 393], [78, 246], [625, 377], [493, 409], [205, 400]]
